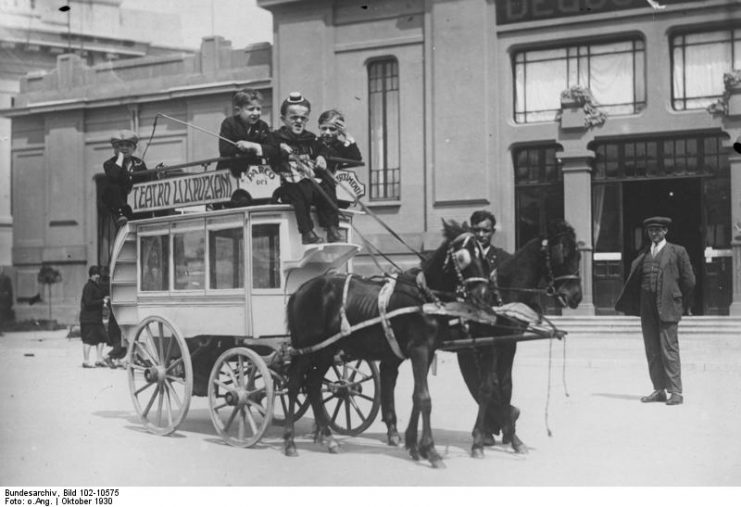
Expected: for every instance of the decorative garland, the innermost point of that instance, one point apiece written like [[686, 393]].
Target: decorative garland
[[580, 96]]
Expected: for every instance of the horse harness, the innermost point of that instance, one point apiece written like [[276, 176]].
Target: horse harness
[[460, 259]]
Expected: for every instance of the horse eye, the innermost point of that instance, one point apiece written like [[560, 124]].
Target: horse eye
[[462, 258]]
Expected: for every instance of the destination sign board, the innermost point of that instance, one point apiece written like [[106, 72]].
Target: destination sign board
[[519, 11], [214, 187]]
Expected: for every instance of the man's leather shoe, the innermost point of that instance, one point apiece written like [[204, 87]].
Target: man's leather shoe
[[333, 234], [675, 399], [654, 396], [310, 237]]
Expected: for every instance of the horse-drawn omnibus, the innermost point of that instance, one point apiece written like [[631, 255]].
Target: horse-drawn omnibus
[[200, 293]]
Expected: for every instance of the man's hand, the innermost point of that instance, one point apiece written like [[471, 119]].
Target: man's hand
[[247, 146], [285, 148], [321, 162]]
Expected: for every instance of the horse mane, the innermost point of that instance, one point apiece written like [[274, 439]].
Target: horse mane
[[451, 230]]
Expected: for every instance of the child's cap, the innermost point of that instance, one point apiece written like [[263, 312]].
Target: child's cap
[[294, 98], [127, 136]]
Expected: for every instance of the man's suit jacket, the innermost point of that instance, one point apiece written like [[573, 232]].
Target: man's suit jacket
[[675, 283]]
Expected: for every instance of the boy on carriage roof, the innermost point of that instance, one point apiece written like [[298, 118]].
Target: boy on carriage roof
[[299, 158], [120, 171], [247, 131]]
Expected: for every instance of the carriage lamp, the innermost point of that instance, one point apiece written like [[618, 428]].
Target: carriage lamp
[[737, 145]]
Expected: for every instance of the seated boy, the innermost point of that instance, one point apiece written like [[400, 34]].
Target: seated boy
[[247, 131], [297, 158], [335, 143], [120, 174]]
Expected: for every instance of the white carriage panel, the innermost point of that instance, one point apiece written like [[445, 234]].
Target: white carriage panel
[[269, 314], [199, 317], [125, 272], [123, 293]]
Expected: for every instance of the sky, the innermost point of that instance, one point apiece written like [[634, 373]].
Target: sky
[[239, 21]]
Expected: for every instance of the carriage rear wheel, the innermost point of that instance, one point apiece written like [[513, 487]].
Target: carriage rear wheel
[[160, 375], [280, 406], [351, 396], [240, 395]]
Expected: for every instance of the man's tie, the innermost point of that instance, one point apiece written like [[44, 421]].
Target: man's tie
[[653, 250]]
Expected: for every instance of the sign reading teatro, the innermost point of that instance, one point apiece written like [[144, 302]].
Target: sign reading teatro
[[519, 11], [213, 187]]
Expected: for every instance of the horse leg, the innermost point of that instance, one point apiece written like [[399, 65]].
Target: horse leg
[[296, 372], [389, 374], [322, 433], [421, 357]]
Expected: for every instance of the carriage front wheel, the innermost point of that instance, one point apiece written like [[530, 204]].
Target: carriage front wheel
[[351, 396], [240, 395], [160, 375]]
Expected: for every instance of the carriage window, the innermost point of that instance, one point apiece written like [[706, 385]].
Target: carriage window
[[266, 256], [189, 252], [155, 254], [226, 258]]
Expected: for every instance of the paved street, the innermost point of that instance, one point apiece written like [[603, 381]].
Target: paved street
[[64, 425]]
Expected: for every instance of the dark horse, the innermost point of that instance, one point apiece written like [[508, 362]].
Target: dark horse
[[552, 260], [315, 313]]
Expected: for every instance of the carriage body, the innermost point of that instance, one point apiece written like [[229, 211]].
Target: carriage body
[[200, 295]]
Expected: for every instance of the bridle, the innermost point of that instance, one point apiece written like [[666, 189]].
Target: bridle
[[459, 264], [554, 281]]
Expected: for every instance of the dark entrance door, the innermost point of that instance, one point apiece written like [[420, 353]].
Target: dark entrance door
[[679, 199]]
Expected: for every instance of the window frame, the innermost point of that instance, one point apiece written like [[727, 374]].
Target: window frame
[[222, 224], [390, 189], [735, 37], [283, 244], [573, 54]]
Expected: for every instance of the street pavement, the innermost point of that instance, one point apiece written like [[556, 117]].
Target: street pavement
[[63, 425]]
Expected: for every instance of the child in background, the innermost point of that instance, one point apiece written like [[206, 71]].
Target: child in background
[[120, 172], [247, 130], [335, 141], [299, 155]]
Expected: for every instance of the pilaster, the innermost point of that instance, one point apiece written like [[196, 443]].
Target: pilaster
[[577, 187]]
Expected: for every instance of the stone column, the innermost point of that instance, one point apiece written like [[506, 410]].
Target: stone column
[[735, 161], [577, 194]]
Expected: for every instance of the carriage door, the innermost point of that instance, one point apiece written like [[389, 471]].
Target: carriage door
[[268, 298]]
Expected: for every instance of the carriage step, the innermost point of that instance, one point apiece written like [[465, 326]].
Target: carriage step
[[612, 325]]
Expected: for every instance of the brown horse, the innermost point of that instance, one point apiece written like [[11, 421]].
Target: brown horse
[[324, 306], [551, 260]]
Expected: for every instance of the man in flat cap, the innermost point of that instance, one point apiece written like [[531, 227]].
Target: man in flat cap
[[659, 289], [119, 171]]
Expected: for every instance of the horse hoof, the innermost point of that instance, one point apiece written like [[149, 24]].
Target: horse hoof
[[333, 448], [291, 452], [394, 440], [518, 445], [437, 463], [414, 454], [477, 452], [490, 441]]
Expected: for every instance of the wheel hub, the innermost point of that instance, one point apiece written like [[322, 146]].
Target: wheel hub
[[236, 397], [155, 374]]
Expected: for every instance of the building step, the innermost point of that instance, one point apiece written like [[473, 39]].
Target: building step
[[722, 325]]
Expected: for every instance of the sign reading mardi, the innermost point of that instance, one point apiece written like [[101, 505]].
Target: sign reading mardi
[[214, 187]]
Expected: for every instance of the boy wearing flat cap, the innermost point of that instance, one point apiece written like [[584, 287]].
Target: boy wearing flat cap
[[120, 170], [659, 289]]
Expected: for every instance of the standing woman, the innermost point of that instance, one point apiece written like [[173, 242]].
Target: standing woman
[[91, 318]]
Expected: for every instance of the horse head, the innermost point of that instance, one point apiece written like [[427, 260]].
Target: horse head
[[459, 266], [562, 259]]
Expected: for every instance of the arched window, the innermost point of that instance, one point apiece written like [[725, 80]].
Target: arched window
[[383, 117]]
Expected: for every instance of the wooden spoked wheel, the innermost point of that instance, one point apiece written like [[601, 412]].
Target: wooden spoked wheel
[[280, 406], [240, 395], [160, 375], [351, 396]]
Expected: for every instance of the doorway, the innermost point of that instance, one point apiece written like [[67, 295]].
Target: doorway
[[679, 199]]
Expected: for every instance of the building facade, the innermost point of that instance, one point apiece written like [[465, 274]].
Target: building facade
[[62, 122], [33, 33], [464, 104]]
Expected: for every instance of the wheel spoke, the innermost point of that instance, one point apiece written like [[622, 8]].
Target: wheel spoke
[[160, 399], [146, 386], [169, 349], [348, 417], [240, 427], [169, 405], [336, 412], [257, 406], [160, 342], [231, 419], [222, 385], [141, 346], [146, 410], [248, 414], [365, 397], [174, 393], [173, 364], [357, 408], [151, 342], [179, 380], [219, 407]]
